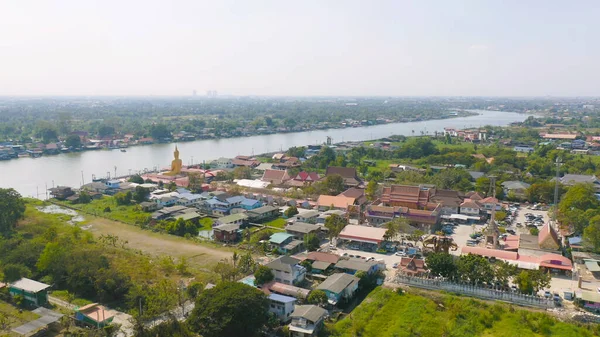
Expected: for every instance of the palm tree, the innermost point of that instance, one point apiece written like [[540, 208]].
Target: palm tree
[[235, 258]]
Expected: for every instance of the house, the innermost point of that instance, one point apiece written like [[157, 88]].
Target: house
[[263, 213], [95, 186], [148, 206], [546, 241], [489, 203], [305, 178], [470, 207], [572, 179], [354, 265], [282, 306], [308, 216], [94, 315], [367, 237], [450, 200], [349, 175], [307, 320], [286, 243], [378, 215], [227, 232], [323, 216], [321, 262], [412, 266], [339, 286], [245, 161], [113, 184], [287, 270], [560, 136], [222, 163], [249, 204], [403, 195], [287, 289], [590, 300], [360, 198], [61, 192], [166, 201], [518, 189], [238, 219], [301, 229], [223, 204], [275, 177], [326, 202], [33, 292], [523, 148]]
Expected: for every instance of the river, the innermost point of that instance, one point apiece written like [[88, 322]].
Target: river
[[30, 176]]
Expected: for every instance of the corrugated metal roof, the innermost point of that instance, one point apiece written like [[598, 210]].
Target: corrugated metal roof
[[592, 265]]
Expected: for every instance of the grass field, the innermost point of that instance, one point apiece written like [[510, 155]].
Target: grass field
[[131, 214], [278, 223], [206, 223], [14, 318], [385, 313]]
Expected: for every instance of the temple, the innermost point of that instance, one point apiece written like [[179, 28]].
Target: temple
[[176, 164]]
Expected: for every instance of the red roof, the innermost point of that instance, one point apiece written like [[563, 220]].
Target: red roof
[[324, 257], [555, 261], [307, 176], [275, 176], [489, 200], [404, 194], [548, 232]]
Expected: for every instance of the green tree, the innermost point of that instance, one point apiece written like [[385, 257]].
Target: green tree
[[290, 211], [500, 215], [334, 184], [334, 223], [73, 141], [532, 281], [263, 275], [12, 209], [242, 172], [318, 297], [475, 269], [534, 231], [246, 265], [371, 190], [503, 272], [136, 178], [441, 264], [311, 242], [106, 130], [140, 194], [160, 131], [591, 234], [84, 198], [194, 289], [230, 309], [123, 198], [578, 206], [14, 272]]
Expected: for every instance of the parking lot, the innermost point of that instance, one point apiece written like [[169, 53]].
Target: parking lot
[[389, 258]]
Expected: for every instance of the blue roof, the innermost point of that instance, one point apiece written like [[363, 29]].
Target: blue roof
[[233, 200], [575, 240], [249, 202], [279, 238], [248, 280], [215, 202], [190, 196], [281, 298], [114, 181]]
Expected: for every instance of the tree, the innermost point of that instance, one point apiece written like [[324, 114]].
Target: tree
[[242, 172], [531, 281], [14, 272], [230, 309], [84, 198], [311, 241], [475, 269], [591, 234], [318, 297], [371, 190], [263, 275], [160, 131], [441, 264], [334, 184], [246, 265], [290, 211], [226, 270], [73, 141], [500, 215], [12, 209], [297, 152], [140, 194], [534, 231], [136, 178], [194, 289], [106, 130], [578, 206], [504, 271], [334, 223], [123, 198]]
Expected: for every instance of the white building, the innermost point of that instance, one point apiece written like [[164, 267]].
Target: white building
[[223, 163], [282, 306], [287, 270]]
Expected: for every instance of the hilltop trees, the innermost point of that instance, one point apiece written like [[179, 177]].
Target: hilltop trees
[[441, 264], [334, 224], [12, 209]]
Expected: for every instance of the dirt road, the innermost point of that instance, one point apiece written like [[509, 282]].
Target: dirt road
[[158, 243]]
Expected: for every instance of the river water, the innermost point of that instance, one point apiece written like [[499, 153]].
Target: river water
[[31, 176]]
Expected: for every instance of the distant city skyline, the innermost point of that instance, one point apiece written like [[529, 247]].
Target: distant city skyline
[[310, 48]]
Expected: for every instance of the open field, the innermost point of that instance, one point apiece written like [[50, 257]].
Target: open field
[[14, 318], [278, 223], [200, 255], [386, 313]]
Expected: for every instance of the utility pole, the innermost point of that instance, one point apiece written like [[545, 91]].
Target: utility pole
[[556, 182]]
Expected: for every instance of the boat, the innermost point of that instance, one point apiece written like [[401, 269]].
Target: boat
[[123, 150]]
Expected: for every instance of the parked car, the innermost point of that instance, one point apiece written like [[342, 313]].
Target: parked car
[[400, 254], [547, 294], [395, 265]]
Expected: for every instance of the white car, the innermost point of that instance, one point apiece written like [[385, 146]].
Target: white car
[[400, 254]]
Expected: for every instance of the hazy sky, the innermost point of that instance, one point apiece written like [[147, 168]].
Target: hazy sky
[[244, 47]]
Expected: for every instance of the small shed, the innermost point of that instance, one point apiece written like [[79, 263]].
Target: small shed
[[94, 315], [33, 292]]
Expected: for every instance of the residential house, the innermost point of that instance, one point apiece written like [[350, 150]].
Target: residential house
[[339, 286], [113, 184], [308, 216], [245, 161], [304, 178], [95, 186], [353, 265], [349, 175], [61, 192], [450, 200], [323, 216], [189, 199], [282, 306], [326, 202], [223, 163], [403, 195], [263, 213], [287, 270], [360, 198], [470, 207], [285, 243], [149, 206], [166, 201], [523, 148], [489, 203], [94, 315], [238, 219], [227, 232], [287, 162], [301, 229], [33, 292], [518, 189], [412, 266], [250, 204], [307, 321], [275, 177], [321, 262], [572, 179], [223, 204]]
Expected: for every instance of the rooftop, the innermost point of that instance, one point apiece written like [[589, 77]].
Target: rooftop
[[336, 283], [281, 298], [29, 285], [309, 312], [232, 218], [284, 263], [339, 201], [372, 234], [302, 227], [279, 238], [354, 264]]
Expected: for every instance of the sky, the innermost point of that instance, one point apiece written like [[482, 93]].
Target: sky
[[300, 48]]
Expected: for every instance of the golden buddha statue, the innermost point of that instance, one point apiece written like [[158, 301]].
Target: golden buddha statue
[[176, 164]]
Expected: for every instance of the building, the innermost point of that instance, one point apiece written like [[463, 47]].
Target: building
[[237, 219], [249, 204], [523, 148], [282, 306], [590, 300], [94, 315], [412, 266], [363, 236], [113, 184], [353, 265], [307, 320], [572, 179], [305, 178], [339, 286], [449, 200], [301, 229], [275, 177], [323, 216], [287, 270], [222, 204], [349, 175], [263, 213], [560, 136], [470, 207], [285, 243], [148, 206], [34, 293], [546, 241], [227, 233], [308, 216], [515, 188], [189, 199], [546, 262], [407, 196], [61, 192], [222, 163], [326, 202], [378, 215]]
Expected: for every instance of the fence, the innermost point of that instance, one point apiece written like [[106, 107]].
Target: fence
[[474, 291]]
